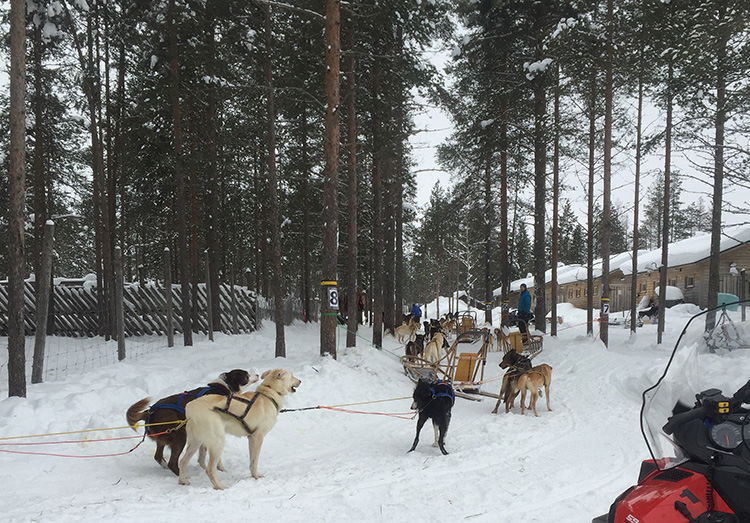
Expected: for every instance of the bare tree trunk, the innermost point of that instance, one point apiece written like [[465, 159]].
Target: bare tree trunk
[[489, 223], [555, 205], [331, 176], [183, 253], [40, 200], [194, 225], [606, 225], [636, 203], [305, 276], [277, 279], [16, 191], [398, 179], [540, 194], [721, 116], [352, 188], [590, 235], [665, 211], [504, 247], [377, 211], [389, 313], [214, 214]]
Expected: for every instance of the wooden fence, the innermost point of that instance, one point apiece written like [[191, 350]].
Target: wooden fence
[[76, 311]]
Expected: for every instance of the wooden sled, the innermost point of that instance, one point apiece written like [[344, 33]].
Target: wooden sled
[[463, 368], [512, 341]]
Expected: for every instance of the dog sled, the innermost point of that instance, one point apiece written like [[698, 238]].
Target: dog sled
[[467, 322], [463, 368], [512, 340]]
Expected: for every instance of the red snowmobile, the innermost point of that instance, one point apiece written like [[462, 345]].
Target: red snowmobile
[[700, 466]]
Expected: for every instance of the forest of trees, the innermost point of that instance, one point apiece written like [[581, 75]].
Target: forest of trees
[[198, 125]]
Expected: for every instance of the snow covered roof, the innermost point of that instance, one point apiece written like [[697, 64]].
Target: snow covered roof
[[683, 252], [691, 250]]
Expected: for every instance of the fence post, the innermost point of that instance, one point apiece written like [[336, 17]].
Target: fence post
[[209, 309], [168, 296], [42, 302], [119, 308]]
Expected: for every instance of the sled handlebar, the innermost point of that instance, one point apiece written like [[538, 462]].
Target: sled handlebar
[[679, 419]]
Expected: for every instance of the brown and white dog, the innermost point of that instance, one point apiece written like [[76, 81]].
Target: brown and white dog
[[406, 332], [519, 378], [169, 412], [251, 415], [533, 380]]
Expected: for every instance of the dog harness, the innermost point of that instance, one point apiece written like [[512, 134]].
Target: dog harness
[[179, 406], [443, 389], [248, 405]]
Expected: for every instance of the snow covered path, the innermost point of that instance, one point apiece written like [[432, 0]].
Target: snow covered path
[[564, 466]]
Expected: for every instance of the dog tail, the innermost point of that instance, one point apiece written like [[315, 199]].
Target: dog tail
[[138, 412]]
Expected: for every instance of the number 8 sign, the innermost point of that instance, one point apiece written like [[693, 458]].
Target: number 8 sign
[[333, 298]]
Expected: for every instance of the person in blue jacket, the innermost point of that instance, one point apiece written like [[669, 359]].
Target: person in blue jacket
[[524, 311], [416, 313]]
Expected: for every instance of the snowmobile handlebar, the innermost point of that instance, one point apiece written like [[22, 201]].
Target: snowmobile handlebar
[[679, 419], [742, 395]]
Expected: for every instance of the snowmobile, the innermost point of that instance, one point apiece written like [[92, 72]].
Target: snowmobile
[[699, 469]]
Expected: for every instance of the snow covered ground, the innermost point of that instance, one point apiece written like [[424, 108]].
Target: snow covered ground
[[320, 465]]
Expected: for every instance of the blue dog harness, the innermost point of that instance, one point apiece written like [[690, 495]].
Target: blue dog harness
[[179, 406], [443, 389]]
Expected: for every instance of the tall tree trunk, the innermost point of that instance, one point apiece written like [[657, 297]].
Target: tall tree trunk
[[194, 266], [399, 178], [719, 123], [504, 247], [277, 280], [636, 203], [488, 225], [331, 173], [665, 212], [377, 200], [590, 223], [306, 269], [182, 255], [111, 187], [555, 204], [40, 200], [119, 149], [352, 189], [212, 173], [606, 225], [540, 194], [16, 192], [389, 313]]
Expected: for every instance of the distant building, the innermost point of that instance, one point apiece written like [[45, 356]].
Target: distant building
[[687, 270]]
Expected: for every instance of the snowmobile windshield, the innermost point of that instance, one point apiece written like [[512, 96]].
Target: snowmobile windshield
[[718, 357]]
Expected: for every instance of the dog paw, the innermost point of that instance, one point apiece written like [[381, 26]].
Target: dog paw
[[219, 486], [184, 481], [257, 476]]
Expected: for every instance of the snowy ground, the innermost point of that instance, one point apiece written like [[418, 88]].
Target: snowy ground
[[321, 465]]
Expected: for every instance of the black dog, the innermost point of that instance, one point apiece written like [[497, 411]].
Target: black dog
[[434, 400], [416, 347], [167, 413]]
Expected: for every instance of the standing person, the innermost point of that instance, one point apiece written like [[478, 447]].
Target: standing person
[[524, 312], [416, 313]]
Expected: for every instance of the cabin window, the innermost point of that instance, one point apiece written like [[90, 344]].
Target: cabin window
[[689, 281], [578, 293]]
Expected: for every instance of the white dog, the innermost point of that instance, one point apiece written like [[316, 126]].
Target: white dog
[[250, 414]]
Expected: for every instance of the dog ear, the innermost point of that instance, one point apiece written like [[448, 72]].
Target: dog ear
[[263, 376]]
